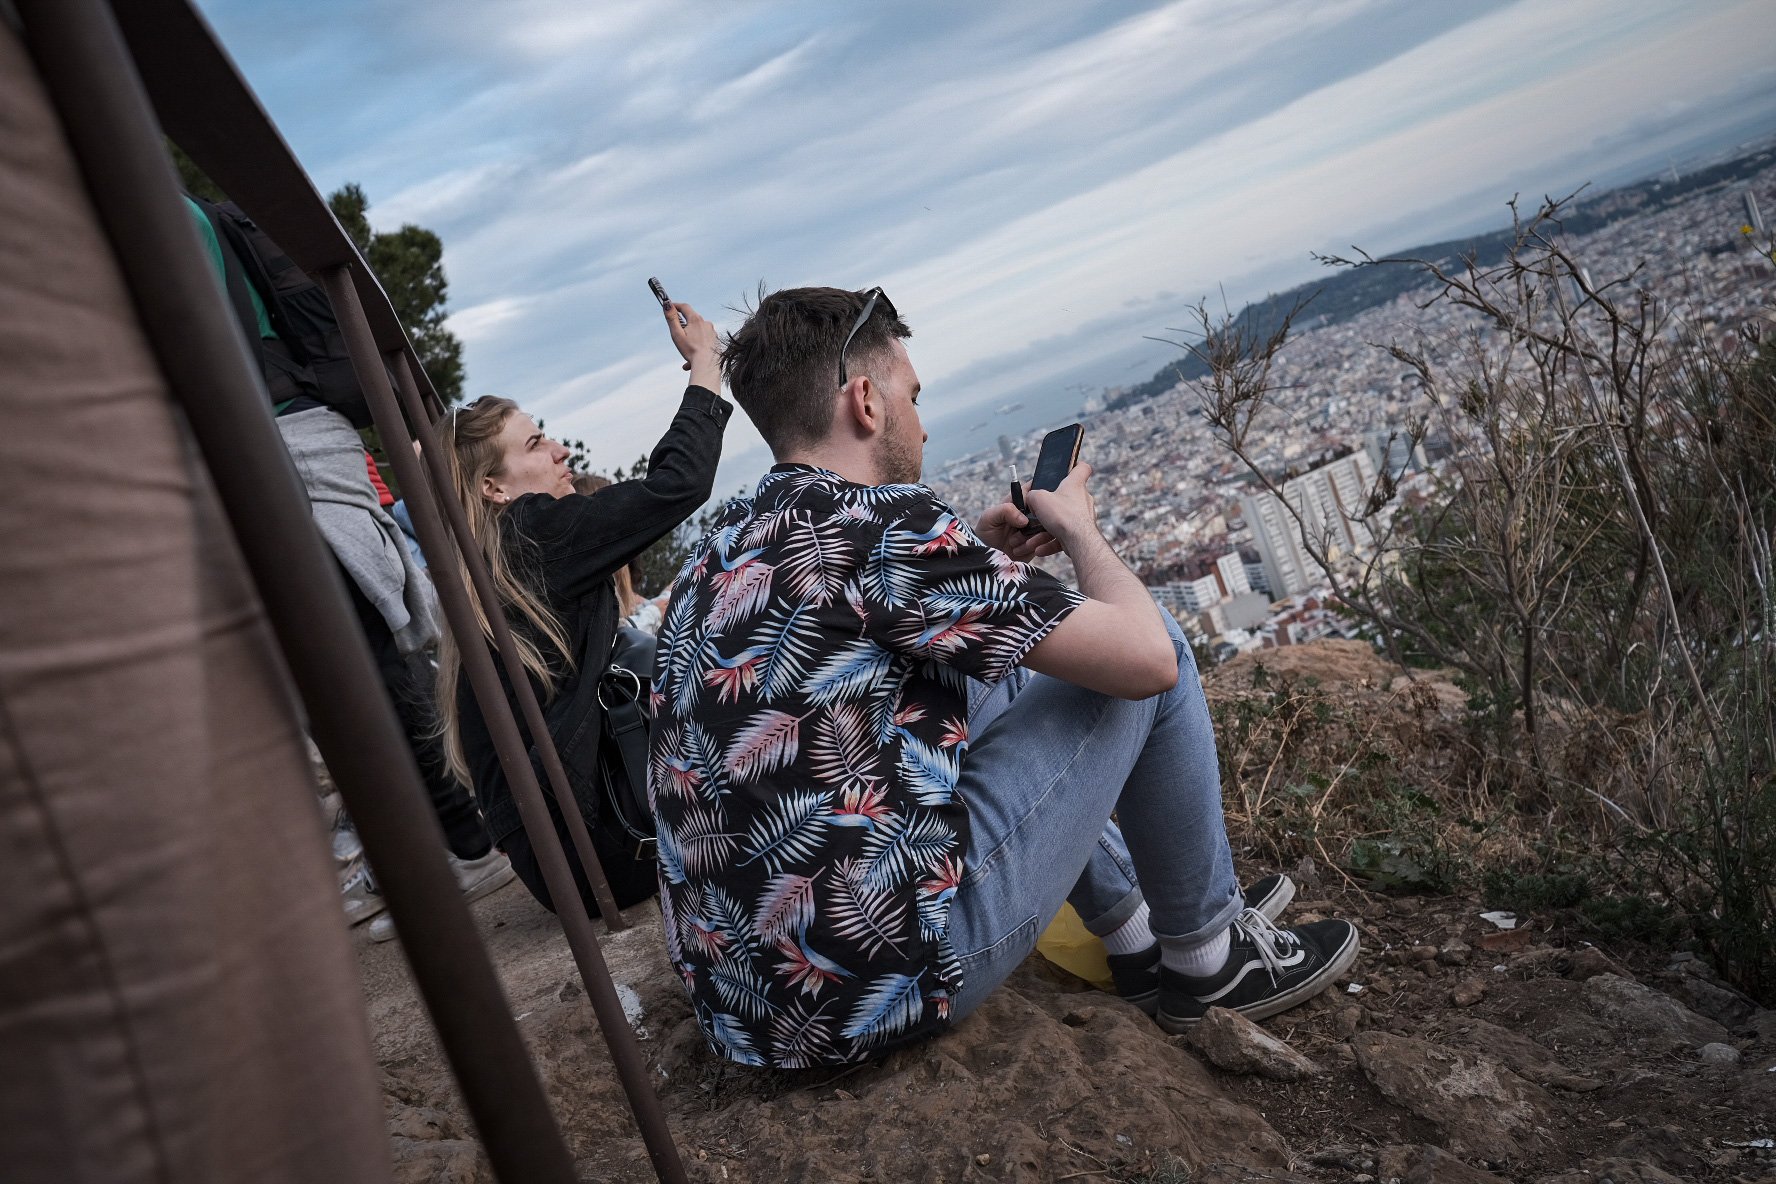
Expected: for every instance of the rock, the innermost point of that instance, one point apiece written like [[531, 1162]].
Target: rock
[[1507, 941], [439, 1161], [1238, 1045], [1722, 1004], [1663, 1147], [1615, 1170], [1537, 961], [1346, 1021], [1590, 962], [1340, 1155], [425, 1144], [1468, 992], [419, 1123], [1307, 873], [1455, 953], [1718, 1054], [1422, 954], [1424, 1164], [1523, 1056], [1481, 1108], [1653, 1017], [1013, 1079]]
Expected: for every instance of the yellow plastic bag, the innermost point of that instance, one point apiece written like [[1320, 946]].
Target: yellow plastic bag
[[1067, 943]]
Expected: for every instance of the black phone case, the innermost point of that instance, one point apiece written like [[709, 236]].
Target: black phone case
[[1060, 452]]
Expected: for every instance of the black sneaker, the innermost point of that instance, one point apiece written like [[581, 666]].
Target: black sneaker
[[1137, 975], [1268, 970]]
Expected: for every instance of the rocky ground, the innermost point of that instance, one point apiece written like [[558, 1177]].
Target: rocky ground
[[1458, 1051]]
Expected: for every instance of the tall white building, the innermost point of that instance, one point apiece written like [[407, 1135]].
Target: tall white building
[[1233, 575], [1200, 594], [1328, 500], [1397, 454]]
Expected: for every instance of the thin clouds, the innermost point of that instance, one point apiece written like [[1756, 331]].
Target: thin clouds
[[757, 83], [1014, 173]]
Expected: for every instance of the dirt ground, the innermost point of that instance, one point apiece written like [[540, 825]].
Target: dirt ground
[[1053, 1080], [1456, 1051]]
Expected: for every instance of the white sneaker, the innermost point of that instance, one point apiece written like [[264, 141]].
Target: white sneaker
[[359, 893], [477, 877]]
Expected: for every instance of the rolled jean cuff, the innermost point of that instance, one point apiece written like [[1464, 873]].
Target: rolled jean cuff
[[1116, 915], [1220, 921]]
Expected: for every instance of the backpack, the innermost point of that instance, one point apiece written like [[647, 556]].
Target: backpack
[[309, 358]]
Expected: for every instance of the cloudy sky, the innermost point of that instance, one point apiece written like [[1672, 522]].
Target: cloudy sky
[[1038, 184]]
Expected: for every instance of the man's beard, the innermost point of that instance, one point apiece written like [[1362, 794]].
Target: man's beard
[[896, 462]]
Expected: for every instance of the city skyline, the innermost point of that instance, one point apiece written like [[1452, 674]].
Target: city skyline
[[1176, 502]]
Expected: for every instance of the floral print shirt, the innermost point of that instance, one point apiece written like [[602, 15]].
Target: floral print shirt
[[811, 702]]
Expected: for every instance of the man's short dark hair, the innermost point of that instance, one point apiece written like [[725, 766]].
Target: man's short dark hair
[[782, 365]]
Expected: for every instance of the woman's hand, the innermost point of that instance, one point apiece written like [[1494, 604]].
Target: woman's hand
[[697, 344]]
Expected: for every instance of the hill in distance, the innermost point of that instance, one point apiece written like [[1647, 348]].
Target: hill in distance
[[1350, 291]]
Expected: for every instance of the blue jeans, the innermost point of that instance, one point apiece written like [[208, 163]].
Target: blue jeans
[[1048, 763]]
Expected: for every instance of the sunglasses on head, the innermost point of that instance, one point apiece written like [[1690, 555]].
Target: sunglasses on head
[[869, 306]]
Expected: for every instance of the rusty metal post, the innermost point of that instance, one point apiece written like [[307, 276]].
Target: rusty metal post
[[514, 760], [424, 501], [92, 81], [625, 1051], [488, 595]]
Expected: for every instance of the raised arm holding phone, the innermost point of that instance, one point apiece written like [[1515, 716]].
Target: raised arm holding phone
[[888, 749], [554, 553]]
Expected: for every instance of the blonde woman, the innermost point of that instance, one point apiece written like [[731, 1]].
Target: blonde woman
[[554, 554]]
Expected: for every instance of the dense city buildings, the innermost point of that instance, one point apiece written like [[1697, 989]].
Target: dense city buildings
[[1323, 512], [1225, 554]]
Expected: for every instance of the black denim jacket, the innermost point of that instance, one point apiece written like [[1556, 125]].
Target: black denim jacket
[[569, 548]]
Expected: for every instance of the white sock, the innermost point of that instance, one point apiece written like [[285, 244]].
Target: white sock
[[1132, 936], [1196, 959]]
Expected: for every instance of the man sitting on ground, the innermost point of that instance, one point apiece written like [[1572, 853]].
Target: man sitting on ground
[[868, 805]]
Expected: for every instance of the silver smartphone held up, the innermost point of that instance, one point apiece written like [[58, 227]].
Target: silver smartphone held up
[[659, 291]]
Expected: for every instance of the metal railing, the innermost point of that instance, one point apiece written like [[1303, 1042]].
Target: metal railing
[[121, 74]]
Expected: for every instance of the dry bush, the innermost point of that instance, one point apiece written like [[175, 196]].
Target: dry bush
[[1593, 562]]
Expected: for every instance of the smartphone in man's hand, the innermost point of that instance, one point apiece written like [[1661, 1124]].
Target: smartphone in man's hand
[[1060, 452]]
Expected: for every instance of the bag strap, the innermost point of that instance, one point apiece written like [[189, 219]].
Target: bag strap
[[254, 268], [629, 727], [235, 278], [626, 727]]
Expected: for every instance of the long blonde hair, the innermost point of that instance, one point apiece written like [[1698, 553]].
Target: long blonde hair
[[470, 440]]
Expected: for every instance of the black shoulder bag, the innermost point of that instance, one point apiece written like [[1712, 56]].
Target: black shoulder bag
[[623, 755]]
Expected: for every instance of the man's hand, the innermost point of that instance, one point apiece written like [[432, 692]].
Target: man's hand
[[1117, 641], [1002, 528], [696, 342], [1068, 513]]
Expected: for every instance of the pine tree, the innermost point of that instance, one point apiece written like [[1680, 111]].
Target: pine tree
[[409, 263]]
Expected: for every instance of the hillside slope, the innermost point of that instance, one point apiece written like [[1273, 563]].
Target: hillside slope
[[1458, 1052]]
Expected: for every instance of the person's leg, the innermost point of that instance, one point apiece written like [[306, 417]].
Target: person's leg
[[1049, 764], [407, 677]]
